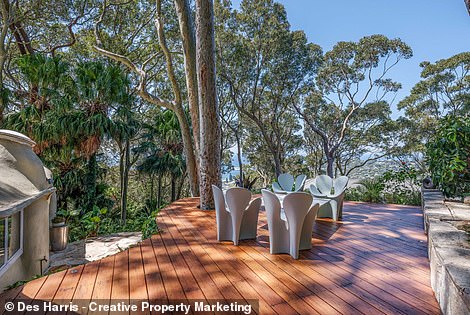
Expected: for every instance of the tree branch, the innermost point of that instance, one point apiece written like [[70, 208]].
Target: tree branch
[[142, 87], [167, 53], [71, 32]]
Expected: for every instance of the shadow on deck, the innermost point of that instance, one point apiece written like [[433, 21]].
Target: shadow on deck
[[373, 262]]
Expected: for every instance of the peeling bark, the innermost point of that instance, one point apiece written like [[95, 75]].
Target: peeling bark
[[186, 25], [208, 109]]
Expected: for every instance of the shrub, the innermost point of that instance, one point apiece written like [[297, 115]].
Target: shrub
[[448, 156], [355, 193], [402, 186], [398, 187], [247, 183], [373, 189], [104, 222]]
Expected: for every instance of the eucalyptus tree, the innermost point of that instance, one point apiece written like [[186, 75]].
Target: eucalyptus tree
[[141, 48], [230, 117], [31, 27], [372, 137], [208, 108], [351, 76], [444, 90], [266, 68], [231, 132]]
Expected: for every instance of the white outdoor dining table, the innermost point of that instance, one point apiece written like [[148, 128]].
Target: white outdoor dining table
[[281, 197], [322, 202]]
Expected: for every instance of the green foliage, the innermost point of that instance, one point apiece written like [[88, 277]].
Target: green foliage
[[162, 147], [104, 222], [67, 115], [85, 225], [372, 190], [263, 68], [22, 282], [91, 220], [347, 111], [402, 186], [149, 225], [394, 186], [443, 90], [448, 156], [247, 183]]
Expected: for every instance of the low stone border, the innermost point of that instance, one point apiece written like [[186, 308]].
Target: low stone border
[[448, 250]]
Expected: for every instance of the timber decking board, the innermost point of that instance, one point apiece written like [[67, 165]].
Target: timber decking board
[[372, 262]]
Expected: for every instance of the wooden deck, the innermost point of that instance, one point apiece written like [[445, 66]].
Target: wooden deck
[[374, 262]]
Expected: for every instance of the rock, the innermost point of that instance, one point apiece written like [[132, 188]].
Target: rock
[[92, 249], [466, 200], [427, 183]]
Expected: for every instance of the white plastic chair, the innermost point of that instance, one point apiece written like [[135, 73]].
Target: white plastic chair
[[300, 182], [290, 231], [239, 219], [286, 183], [332, 189]]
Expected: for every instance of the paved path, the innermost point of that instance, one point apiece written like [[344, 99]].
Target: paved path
[[93, 248]]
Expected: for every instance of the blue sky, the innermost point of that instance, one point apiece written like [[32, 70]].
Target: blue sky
[[435, 29]]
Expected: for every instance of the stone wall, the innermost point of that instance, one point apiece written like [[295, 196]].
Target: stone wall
[[449, 251]]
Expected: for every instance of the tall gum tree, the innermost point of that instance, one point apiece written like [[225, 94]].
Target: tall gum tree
[[208, 110], [141, 71], [264, 67], [351, 75], [188, 37], [443, 90]]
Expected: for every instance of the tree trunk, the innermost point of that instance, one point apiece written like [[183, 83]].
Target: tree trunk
[[121, 171], [159, 193], [188, 148], [330, 160], [173, 188], [180, 187], [178, 107], [339, 167], [125, 181], [239, 156], [175, 105], [90, 184], [23, 43], [22, 38], [152, 185], [186, 25], [277, 164], [208, 109]]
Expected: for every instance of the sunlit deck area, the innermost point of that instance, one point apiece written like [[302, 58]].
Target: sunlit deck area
[[373, 262]]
